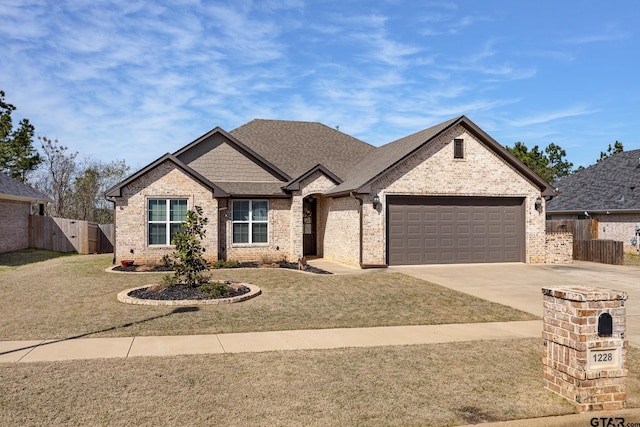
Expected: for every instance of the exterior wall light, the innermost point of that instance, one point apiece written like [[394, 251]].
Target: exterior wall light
[[375, 201], [538, 204]]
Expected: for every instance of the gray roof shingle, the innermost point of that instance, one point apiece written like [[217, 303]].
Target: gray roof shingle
[[292, 150], [16, 190], [295, 147], [382, 158], [610, 185]]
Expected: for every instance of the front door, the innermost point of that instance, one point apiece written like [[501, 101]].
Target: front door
[[309, 226]]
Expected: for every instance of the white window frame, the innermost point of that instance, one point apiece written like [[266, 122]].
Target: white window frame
[[167, 221], [250, 221]]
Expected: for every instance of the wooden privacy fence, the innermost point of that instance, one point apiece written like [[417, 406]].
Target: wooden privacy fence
[[604, 251], [582, 229], [586, 245], [70, 235]]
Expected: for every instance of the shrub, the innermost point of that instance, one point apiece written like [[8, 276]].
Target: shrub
[[226, 264], [216, 289]]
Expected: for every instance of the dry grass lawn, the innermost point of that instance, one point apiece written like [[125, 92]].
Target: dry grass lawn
[[74, 296], [425, 385], [422, 385]]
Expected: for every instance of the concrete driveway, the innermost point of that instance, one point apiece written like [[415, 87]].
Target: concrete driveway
[[520, 285]]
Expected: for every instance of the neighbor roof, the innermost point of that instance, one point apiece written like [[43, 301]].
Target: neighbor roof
[[10, 189], [610, 185]]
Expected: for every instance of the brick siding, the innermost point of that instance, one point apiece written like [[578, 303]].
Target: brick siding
[[342, 235], [559, 248], [14, 225], [570, 333], [165, 181], [432, 171]]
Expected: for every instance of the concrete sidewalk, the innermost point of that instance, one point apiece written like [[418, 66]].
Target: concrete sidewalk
[[93, 348]]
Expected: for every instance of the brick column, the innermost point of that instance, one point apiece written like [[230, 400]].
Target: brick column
[[585, 346]]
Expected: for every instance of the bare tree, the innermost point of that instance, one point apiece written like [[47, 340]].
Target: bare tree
[[56, 177]]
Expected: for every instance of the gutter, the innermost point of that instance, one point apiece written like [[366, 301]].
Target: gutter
[[595, 212]]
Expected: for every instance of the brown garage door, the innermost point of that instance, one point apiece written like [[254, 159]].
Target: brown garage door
[[450, 230]]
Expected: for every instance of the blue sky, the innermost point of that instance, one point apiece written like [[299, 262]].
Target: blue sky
[[136, 79]]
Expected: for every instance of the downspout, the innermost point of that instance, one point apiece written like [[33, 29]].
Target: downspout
[[360, 239], [113, 261], [362, 265]]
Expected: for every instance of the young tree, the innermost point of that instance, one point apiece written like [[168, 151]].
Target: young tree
[[188, 261], [550, 164], [617, 148], [17, 155]]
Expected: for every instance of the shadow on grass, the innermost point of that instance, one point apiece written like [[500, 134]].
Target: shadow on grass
[[113, 328], [29, 256]]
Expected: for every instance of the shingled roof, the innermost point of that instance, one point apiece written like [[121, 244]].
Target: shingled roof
[[10, 189], [383, 158], [293, 150], [296, 147], [608, 186]]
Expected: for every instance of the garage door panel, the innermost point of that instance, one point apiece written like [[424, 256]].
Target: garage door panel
[[447, 243], [414, 244], [447, 216], [463, 242], [455, 230], [413, 229], [446, 229]]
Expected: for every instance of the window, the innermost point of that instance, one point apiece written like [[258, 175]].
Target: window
[[164, 219], [250, 219], [458, 148]]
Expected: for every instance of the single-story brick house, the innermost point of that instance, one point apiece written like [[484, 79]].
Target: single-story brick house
[[16, 200], [275, 189], [609, 192]]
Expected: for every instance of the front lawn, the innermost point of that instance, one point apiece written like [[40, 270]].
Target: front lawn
[[71, 296]]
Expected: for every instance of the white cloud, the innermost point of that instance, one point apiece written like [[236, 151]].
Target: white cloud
[[549, 116]]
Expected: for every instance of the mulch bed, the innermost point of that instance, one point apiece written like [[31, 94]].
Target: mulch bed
[[184, 292], [162, 268]]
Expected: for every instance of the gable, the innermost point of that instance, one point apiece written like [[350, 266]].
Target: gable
[[387, 157], [136, 180], [218, 160], [433, 170]]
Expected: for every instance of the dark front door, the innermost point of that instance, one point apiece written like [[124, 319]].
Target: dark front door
[[309, 226]]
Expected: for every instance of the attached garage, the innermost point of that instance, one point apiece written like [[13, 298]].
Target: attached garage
[[451, 230]]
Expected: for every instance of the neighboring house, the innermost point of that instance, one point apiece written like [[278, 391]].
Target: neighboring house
[[608, 191], [275, 189], [16, 200]]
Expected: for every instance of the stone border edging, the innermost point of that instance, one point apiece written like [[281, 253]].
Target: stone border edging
[[254, 291]]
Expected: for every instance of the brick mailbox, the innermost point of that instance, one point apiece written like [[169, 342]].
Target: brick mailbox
[[585, 347]]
